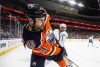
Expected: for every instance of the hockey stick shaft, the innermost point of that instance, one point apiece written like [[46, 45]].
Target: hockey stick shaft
[[71, 61]]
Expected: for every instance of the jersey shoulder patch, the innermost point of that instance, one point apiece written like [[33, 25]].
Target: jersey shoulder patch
[[50, 36]]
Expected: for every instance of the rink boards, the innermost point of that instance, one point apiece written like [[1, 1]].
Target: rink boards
[[8, 45]]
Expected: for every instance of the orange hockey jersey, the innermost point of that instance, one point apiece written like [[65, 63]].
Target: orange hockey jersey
[[45, 42]]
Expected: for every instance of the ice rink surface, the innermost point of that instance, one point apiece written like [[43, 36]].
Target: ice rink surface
[[78, 52]]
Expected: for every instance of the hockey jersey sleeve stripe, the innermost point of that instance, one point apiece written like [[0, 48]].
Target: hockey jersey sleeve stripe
[[51, 51], [56, 50]]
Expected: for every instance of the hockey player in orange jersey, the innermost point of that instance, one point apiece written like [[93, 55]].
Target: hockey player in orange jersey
[[38, 36]]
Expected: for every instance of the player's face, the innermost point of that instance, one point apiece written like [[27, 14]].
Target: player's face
[[31, 23], [39, 23]]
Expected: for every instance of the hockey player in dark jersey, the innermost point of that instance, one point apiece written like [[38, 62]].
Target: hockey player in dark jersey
[[90, 41], [38, 36]]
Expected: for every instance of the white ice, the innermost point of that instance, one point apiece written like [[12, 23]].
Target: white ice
[[78, 52]]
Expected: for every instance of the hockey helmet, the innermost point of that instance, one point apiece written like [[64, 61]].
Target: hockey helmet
[[33, 11], [63, 26]]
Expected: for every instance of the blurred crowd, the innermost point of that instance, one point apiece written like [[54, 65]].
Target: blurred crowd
[[8, 31], [82, 34], [73, 33], [76, 33], [15, 31]]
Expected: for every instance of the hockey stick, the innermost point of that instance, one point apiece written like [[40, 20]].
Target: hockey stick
[[71, 61], [66, 57]]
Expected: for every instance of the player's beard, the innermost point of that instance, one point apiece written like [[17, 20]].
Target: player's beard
[[40, 27]]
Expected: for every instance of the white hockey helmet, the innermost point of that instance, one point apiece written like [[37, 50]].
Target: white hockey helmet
[[63, 25]]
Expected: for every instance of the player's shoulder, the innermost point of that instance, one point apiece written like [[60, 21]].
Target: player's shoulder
[[90, 38], [56, 30], [64, 32]]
